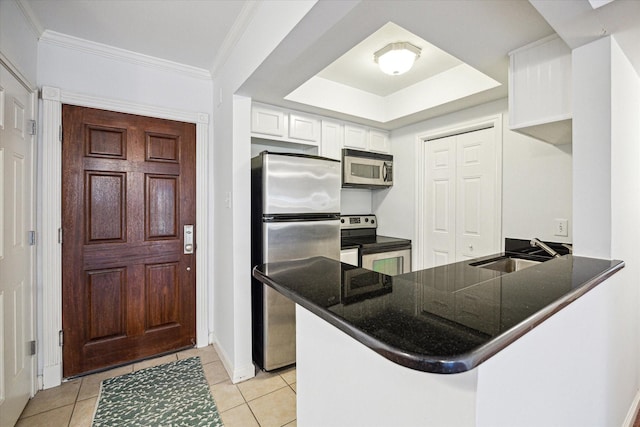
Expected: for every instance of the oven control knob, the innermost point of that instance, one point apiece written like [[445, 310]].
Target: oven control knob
[[372, 221], [366, 220], [342, 220]]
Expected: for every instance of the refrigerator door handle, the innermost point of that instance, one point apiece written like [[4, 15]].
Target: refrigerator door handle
[[301, 217]]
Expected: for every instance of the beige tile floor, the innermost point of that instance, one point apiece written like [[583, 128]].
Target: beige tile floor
[[268, 400]]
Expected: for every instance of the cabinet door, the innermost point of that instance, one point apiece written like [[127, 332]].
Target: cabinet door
[[304, 128], [332, 140], [379, 141], [268, 121], [355, 137], [540, 90]]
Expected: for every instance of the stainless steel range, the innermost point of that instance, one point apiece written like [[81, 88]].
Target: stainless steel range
[[384, 254]]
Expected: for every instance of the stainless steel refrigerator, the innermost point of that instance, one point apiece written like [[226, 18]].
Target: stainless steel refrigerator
[[295, 203]]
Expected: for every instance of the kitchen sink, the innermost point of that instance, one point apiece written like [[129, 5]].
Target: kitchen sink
[[506, 264]]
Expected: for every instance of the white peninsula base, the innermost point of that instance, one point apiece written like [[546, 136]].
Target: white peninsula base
[[557, 374], [341, 382]]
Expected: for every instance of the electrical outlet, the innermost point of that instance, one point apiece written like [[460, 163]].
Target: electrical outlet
[[562, 227]]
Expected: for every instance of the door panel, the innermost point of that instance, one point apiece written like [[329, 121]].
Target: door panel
[[441, 198], [106, 290], [17, 208], [106, 207], [476, 203], [128, 190]]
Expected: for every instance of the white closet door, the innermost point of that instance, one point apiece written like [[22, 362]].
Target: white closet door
[[461, 207], [476, 194], [441, 201], [16, 254]]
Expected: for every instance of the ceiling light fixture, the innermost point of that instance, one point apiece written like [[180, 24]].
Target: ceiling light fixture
[[397, 58]]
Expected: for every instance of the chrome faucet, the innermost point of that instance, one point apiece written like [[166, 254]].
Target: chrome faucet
[[544, 247]]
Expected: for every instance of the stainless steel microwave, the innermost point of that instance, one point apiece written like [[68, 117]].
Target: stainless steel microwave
[[366, 170]]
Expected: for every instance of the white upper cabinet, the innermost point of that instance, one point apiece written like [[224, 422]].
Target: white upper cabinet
[[355, 137], [367, 139], [292, 129], [332, 140], [379, 141], [268, 121], [304, 127], [282, 125], [540, 90]]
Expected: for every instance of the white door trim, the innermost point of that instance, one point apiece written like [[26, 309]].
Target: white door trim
[[52, 100], [421, 212]]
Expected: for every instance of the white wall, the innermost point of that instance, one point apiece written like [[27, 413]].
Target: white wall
[[79, 71], [269, 23], [351, 385], [625, 201], [583, 362], [537, 183], [18, 40], [624, 330], [536, 187], [355, 201]]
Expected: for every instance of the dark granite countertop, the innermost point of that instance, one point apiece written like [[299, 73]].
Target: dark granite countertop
[[446, 319]]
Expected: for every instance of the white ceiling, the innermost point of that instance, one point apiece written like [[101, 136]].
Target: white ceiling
[[201, 33], [356, 68], [187, 32]]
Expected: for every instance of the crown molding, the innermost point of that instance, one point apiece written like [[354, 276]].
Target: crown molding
[[24, 81], [233, 36], [34, 23], [110, 52]]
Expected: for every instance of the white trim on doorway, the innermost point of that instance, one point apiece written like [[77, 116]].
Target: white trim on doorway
[[52, 100], [494, 121]]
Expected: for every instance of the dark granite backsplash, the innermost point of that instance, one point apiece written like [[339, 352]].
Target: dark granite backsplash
[[524, 247]]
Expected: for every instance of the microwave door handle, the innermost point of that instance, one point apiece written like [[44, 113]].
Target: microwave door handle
[[385, 171]]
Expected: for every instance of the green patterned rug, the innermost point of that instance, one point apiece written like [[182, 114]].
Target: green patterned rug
[[169, 395]]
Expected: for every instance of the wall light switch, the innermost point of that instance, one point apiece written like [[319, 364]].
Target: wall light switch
[[561, 227]]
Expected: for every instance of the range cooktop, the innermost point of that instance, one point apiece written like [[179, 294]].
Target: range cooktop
[[360, 230]]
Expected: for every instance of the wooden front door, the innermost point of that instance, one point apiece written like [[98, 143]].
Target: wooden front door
[[128, 190]]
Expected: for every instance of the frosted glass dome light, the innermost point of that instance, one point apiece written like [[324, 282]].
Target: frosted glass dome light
[[396, 58]]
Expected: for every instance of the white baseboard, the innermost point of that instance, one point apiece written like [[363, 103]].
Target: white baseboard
[[237, 374], [52, 376], [633, 411]]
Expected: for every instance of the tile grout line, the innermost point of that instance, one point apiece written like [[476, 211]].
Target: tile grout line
[[87, 382]]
